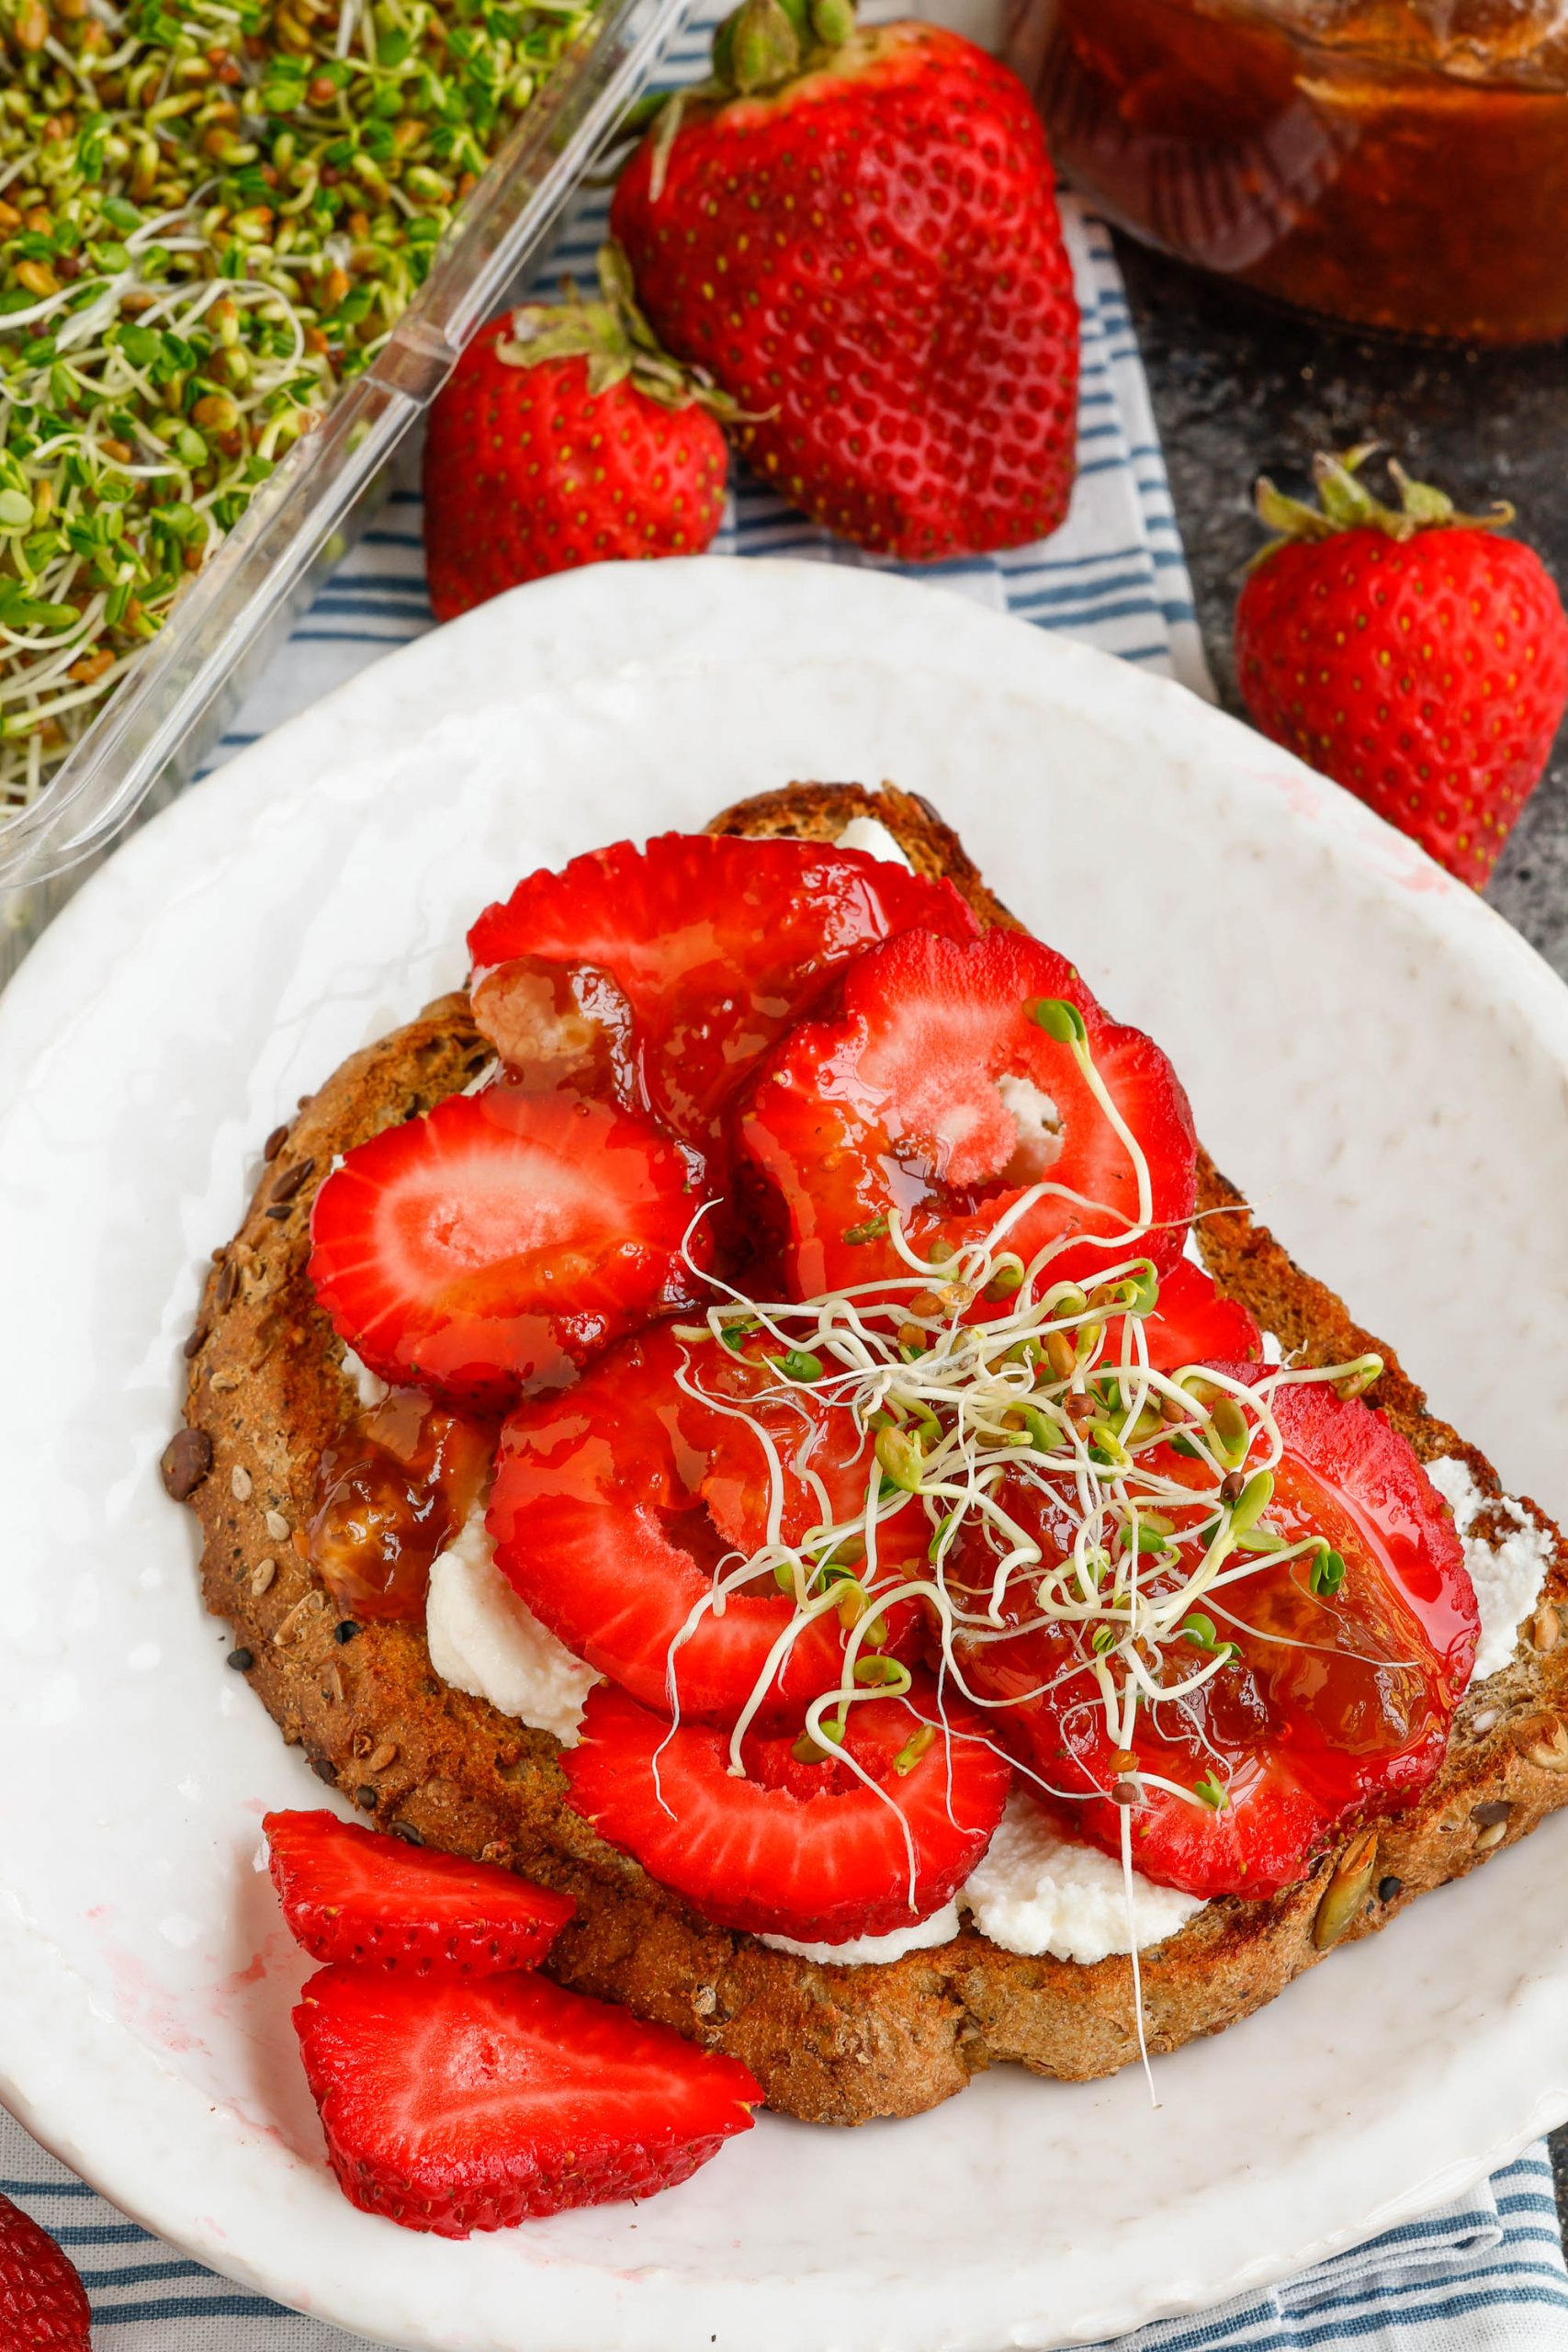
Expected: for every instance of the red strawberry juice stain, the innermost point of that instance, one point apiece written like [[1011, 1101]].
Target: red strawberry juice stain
[[390, 1497]]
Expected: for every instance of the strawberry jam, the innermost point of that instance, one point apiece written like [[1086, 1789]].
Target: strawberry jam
[[1401, 163], [559, 1024], [390, 1497]]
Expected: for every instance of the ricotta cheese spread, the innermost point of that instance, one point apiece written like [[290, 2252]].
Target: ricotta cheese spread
[[1034, 1890], [484, 1640], [1037, 1123], [368, 1386], [1507, 1575], [863, 1951], [870, 834]]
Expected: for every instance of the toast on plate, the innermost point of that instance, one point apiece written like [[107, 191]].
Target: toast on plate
[[268, 1394]]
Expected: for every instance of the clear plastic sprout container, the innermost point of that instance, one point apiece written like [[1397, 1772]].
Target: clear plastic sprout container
[[114, 752]]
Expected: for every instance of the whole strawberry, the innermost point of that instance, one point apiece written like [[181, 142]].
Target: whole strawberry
[[566, 437], [44, 2305], [855, 233], [1409, 653]]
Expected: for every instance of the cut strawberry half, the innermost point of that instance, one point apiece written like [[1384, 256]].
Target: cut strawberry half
[[351, 1894], [615, 1503], [929, 1088], [686, 960], [1336, 1704], [1192, 1323], [807, 1851], [491, 1245], [475, 2105]]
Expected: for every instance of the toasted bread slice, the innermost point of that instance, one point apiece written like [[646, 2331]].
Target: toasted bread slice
[[267, 1393]]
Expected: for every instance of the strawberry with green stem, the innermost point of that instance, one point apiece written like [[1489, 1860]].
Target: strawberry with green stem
[[566, 437], [855, 233], [1409, 652]]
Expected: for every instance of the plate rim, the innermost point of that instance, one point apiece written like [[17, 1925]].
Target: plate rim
[[1462, 922]]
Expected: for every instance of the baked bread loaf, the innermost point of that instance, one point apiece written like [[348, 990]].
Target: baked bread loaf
[[829, 2043]]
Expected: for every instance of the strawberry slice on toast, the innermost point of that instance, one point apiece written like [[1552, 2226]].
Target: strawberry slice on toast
[[475, 2105], [616, 1502], [1193, 1322], [702, 948], [817, 1851], [943, 1081], [354, 1895], [1333, 1703], [506, 1236]]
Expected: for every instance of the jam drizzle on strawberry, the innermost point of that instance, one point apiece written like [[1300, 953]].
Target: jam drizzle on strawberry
[[660, 975], [630, 1515], [955, 1087], [1087, 1500], [1307, 1672]]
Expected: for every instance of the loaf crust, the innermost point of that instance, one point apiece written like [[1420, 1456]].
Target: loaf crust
[[829, 2044]]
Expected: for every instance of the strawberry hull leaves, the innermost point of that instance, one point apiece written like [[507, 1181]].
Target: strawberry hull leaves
[[868, 259]]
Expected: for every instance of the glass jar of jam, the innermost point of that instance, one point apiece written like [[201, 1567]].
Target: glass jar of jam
[[1399, 163]]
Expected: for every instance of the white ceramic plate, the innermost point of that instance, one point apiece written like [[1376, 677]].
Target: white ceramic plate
[[1370, 1050]]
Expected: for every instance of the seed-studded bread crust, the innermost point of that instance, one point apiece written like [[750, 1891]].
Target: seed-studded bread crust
[[839, 2045]]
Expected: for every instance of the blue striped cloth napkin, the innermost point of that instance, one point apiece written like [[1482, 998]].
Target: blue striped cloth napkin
[[1484, 2275]]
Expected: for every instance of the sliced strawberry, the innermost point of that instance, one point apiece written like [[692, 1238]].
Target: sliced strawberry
[[1337, 1705], [928, 1087], [1192, 1323], [714, 944], [351, 1894], [801, 1849], [615, 1502], [505, 1237], [475, 2104]]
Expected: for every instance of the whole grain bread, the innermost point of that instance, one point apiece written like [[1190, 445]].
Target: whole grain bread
[[267, 1393]]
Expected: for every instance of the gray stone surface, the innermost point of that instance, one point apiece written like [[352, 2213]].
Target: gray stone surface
[[1240, 388]]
